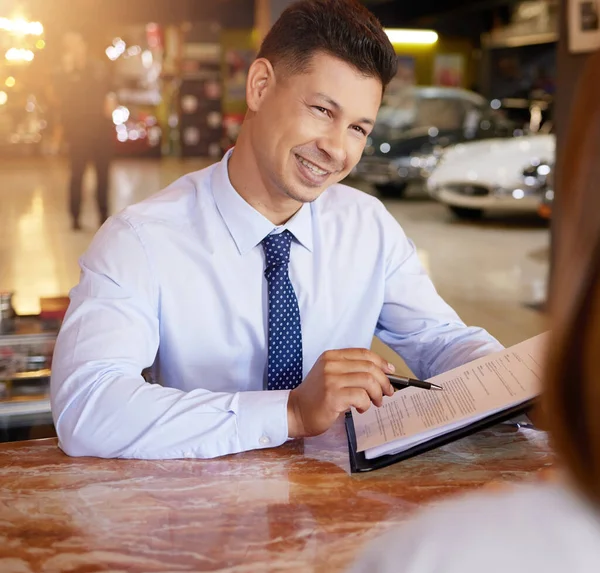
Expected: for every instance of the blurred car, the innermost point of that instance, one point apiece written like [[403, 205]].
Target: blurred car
[[546, 186], [414, 126], [546, 205], [496, 174]]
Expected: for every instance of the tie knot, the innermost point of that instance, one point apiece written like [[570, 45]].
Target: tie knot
[[277, 249]]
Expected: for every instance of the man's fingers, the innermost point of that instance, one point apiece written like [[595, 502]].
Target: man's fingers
[[344, 368], [353, 398], [366, 382], [360, 354]]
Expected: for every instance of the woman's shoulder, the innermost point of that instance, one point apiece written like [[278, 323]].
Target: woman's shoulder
[[543, 527]]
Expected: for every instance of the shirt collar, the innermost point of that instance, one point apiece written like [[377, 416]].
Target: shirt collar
[[245, 224]]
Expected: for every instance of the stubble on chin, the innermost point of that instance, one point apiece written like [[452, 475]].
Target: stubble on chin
[[307, 196]]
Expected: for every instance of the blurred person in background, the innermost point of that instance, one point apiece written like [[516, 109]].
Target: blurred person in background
[[552, 526], [85, 101]]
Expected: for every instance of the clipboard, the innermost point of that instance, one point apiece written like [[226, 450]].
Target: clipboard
[[359, 463]]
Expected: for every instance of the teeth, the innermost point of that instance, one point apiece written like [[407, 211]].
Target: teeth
[[312, 167]]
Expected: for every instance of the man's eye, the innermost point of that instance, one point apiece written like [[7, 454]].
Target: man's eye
[[359, 129], [321, 109]]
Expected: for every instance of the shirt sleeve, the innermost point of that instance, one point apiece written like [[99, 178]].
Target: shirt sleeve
[[415, 321], [101, 404]]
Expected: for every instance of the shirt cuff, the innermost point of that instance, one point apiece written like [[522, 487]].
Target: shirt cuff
[[262, 419]]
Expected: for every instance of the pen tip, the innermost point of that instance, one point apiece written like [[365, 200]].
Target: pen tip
[[436, 387]]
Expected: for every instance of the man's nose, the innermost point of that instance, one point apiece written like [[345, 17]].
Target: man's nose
[[334, 145]]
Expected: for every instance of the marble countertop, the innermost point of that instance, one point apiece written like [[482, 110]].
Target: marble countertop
[[293, 508]]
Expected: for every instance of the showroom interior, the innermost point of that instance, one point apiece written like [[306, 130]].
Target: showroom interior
[[106, 103], [463, 152]]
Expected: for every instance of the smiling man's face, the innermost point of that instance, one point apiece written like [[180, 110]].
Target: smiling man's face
[[310, 128]]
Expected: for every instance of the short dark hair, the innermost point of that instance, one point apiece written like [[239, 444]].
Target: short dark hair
[[344, 29]]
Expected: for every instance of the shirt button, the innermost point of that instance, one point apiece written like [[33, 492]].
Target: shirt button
[[264, 441]]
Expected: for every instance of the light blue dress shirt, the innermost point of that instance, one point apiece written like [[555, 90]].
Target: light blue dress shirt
[[177, 281]]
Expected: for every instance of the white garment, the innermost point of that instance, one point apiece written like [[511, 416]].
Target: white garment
[[542, 528]]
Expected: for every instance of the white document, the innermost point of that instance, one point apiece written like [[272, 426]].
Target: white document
[[471, 392]]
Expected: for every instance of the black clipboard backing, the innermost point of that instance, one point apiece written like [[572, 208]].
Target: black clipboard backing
[[359, 463]]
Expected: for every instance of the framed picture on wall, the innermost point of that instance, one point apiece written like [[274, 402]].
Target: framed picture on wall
[[448, 70], [405, 76], [584, 25]]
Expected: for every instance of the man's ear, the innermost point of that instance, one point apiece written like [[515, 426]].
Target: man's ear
[[261, 79]]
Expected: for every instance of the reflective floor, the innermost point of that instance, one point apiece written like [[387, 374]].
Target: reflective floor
[[38, 249], [487, 270], [490, 271]]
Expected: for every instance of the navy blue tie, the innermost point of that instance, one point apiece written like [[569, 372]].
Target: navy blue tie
[[285, 334]]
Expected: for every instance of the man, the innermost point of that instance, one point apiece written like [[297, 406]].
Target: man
[[86, 103], [258, 283]]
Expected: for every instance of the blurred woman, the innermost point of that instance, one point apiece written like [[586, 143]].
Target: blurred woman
[[553, 526]]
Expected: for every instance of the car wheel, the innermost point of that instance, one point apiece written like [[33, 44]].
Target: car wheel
[[390, 190], [466, 213]]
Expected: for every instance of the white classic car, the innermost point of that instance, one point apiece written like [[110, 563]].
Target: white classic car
[[493, 174]]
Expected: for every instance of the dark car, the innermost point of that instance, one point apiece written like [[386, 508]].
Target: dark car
[[413, 127]]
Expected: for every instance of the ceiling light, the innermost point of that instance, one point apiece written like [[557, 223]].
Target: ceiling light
[[400, 36]]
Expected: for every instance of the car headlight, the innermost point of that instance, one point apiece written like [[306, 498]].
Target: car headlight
[[537, 174]]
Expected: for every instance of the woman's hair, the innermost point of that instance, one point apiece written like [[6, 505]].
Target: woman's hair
[[572, 393]]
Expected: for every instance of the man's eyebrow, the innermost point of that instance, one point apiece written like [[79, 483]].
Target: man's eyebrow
[[335, 105]]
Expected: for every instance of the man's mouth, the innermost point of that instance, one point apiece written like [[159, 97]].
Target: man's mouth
[[314, 168]]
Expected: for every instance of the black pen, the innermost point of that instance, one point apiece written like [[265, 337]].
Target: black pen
[[402, 382]]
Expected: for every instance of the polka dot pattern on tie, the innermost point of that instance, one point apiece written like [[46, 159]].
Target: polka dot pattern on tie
[[284, 370]]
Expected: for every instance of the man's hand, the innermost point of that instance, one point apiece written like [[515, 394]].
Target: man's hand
[[339, 379]]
